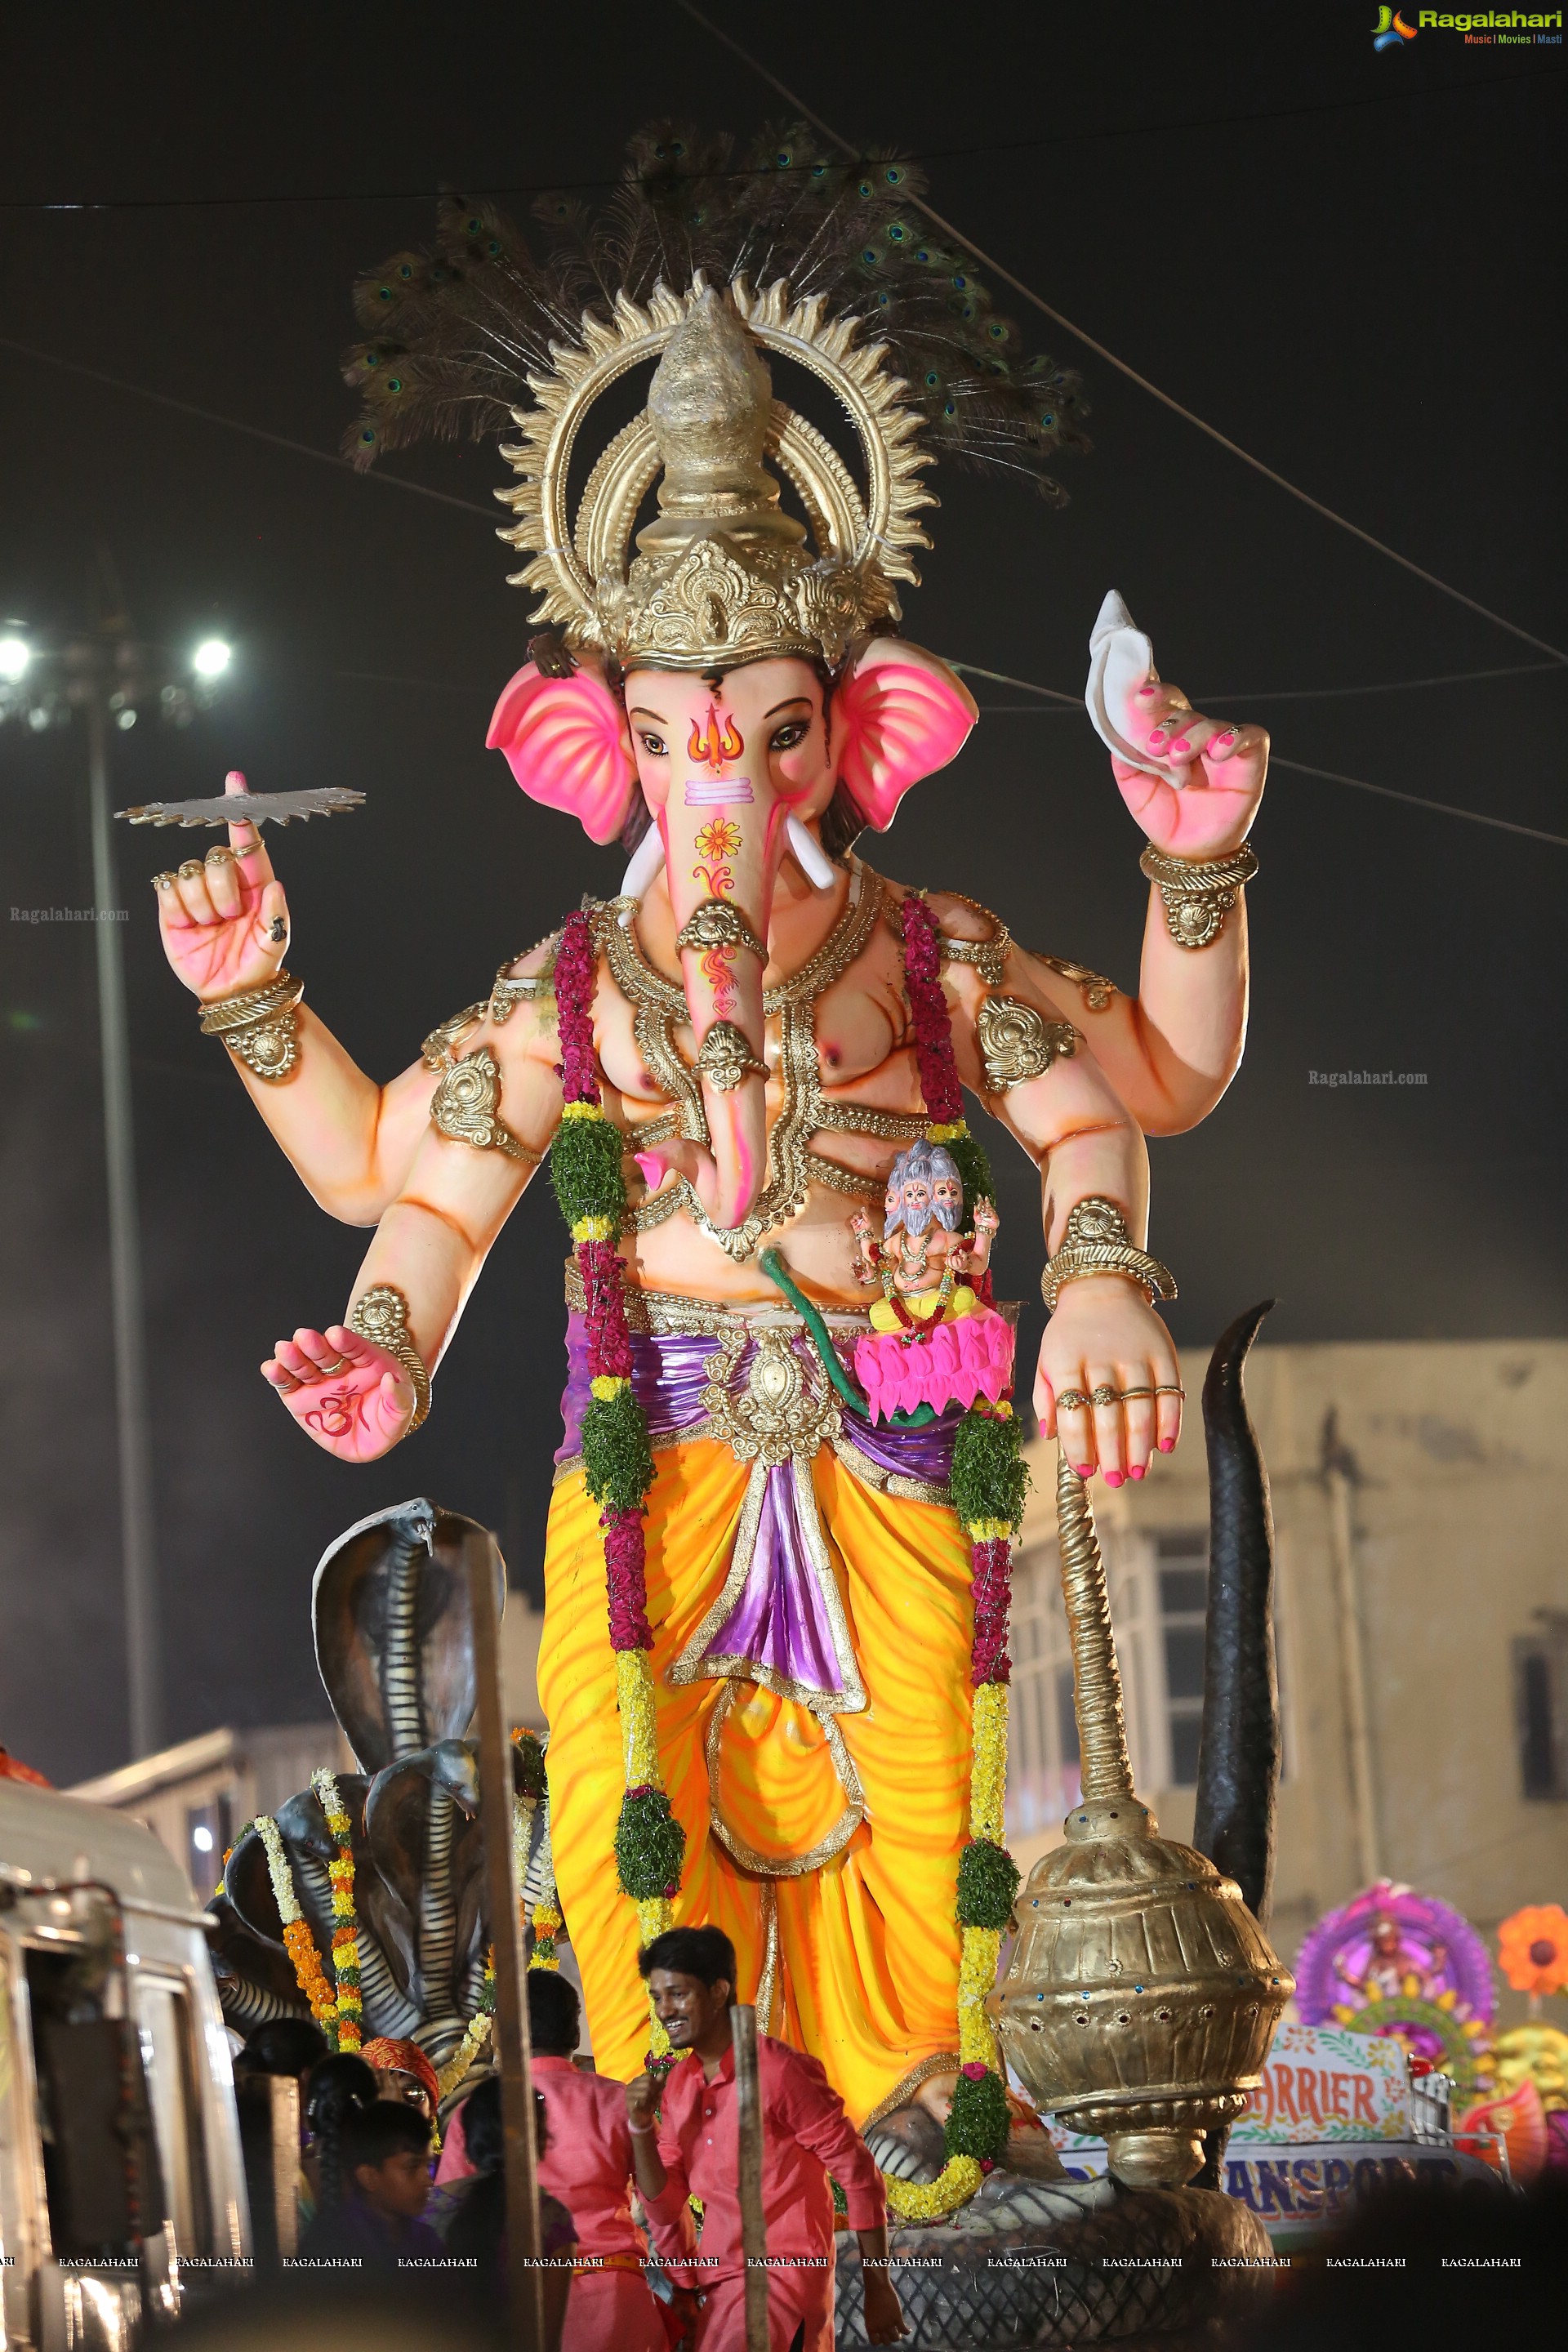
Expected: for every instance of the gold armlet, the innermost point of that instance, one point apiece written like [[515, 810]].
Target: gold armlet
[[464, 1108], [717, 924], [381, 1316], [1096, 1242], [1197, 893], [1017, 1042], [259, 1026]]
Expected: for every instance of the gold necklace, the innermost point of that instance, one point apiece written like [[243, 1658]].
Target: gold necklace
[[659, 1007]]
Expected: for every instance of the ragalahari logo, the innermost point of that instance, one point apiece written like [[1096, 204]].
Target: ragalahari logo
[[1391, 30]]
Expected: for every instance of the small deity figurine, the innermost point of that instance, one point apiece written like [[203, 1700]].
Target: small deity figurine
[[927, 1267]]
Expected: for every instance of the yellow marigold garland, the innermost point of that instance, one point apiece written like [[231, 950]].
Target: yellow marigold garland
[[345, 1922], [475, 2035]]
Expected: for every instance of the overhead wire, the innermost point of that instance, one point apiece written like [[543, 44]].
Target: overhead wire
[[1165, 127], [1167, 400]]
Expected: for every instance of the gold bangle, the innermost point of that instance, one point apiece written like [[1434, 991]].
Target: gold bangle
[[1096, 1242], [257, 1025], [381, 1316], [1197, 893]]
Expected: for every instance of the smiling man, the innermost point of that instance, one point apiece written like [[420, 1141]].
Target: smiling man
[[690, 2148]]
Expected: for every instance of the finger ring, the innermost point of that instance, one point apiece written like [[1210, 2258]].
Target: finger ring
[[1170, 1391], [331, 1371], [1071, 1401], [1128, 1393], [246, 849], [192, 866], [1105, 1394], [219, 856]]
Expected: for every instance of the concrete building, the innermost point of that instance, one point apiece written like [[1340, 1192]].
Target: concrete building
[[195, 1797], [1420, 1497]]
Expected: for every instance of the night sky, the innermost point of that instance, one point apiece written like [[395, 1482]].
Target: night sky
[[1348, 262]]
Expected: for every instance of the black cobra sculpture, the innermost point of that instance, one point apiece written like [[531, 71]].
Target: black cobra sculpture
[[1238, 1749], [395, 1646]]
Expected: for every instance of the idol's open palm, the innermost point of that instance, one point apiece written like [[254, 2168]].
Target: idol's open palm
[[224, 919], [347, 1393]]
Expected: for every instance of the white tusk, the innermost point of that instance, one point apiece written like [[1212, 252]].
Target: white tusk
[[646, 859], [810, 855]]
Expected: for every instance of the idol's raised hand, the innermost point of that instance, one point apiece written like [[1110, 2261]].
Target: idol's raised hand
[[224, 919], [1224, 764], [350, 1395]]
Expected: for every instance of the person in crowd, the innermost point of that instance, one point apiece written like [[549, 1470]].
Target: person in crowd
[[338, 2088], [287, 2045], [385, 2151], [405, 2075], [689, 2148], [588, 2165], [478, 2229]]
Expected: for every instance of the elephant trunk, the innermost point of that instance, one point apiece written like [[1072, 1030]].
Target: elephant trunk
[[1238, 1754], [722, 846]]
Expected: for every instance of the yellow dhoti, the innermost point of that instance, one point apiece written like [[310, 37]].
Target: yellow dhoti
[[824, 1842]]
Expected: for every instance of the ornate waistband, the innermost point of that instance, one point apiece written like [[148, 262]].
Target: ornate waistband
[[660, 1312]]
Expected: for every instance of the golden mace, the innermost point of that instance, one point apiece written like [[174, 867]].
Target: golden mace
[[1141, 1995]]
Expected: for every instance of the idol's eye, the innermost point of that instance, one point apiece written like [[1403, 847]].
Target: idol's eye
[[654, 745], [793, 731]]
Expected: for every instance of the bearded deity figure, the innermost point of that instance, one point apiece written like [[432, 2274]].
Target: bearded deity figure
[[775, 1637]]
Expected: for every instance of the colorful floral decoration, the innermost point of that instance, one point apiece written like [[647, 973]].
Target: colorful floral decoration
[[545, 1918], [1395, 1962], [297, 1941], [350, 2006], [1532, 1948], [477, 2033], [617, 1462]]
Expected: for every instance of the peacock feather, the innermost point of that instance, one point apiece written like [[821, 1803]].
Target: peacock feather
[[455, 333]]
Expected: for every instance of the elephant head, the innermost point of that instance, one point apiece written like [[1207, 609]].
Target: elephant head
[[736, 767]]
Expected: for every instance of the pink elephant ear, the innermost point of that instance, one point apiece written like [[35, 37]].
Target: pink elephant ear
[[905, 715], [565, 741]]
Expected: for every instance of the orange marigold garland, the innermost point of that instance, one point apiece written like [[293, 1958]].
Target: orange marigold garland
[[297, 1941], [345, 1922]]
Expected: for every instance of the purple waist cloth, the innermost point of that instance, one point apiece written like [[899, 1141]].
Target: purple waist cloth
[[669, 1379], [780, 1625]]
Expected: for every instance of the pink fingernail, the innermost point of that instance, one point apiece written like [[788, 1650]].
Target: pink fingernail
[[1136, 1471], [1166, 1444], [1083, 1469], [1113, 1477], [1144, 692]]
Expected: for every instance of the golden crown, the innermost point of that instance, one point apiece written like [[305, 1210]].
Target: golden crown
[[722, 575]]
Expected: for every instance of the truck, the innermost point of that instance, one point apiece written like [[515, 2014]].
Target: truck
[[122, 2187]]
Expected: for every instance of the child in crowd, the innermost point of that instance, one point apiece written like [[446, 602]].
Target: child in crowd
[[384, 2152]]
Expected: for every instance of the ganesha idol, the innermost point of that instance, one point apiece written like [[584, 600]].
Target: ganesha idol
[[775, 1654]]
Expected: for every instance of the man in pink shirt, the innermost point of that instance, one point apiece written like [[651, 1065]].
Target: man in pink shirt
[[588, 2164], [687, 2146]]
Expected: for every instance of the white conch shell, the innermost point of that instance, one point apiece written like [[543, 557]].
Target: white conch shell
[[809, 855], [1121, 660], [646, 859]]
